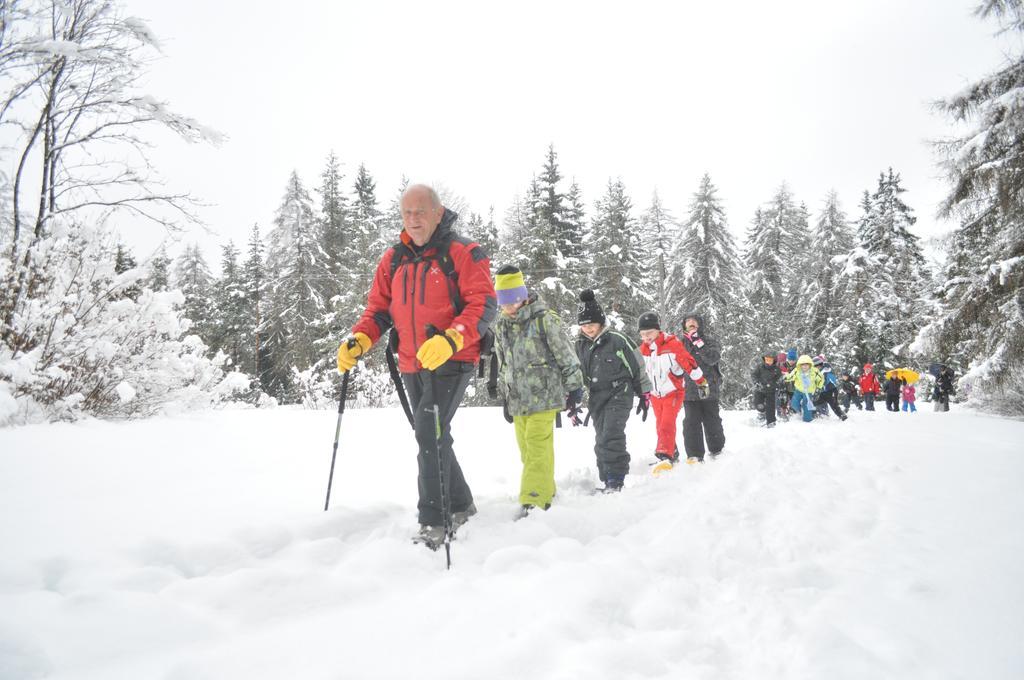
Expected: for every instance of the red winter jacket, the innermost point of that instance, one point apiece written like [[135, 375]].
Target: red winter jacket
[[666, 365], [869, 384], [419, 293]]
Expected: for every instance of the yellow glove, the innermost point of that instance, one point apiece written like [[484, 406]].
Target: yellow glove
[[347, 356], [439, 349]]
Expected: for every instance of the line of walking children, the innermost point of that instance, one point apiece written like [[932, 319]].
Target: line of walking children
[[778, 374], [538, 373]]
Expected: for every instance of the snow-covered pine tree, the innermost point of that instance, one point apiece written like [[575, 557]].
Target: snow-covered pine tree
[[614, 246], [659, 233], [296, 268], [528, 242], [834, 241], [254, 285], [865, 225], [554, 213], [193, 278], [124, 261], [706, 277], [372, 233], [705, 274], [576, 214], [576, 221], [769, 256], [367, 233], [541, 246], [231, 326], [855, 329], [552, 208], [980, 326], [514, 237], [159, 267], [334, 220], [391, 222], [902, 268], [801, 275], [483, 232]]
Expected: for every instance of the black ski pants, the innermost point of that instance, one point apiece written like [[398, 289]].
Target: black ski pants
[[832, 399], [445, 386], [610, 431], [701, 420], [869, 401], [765, 399], [892, 402], [847, 398]]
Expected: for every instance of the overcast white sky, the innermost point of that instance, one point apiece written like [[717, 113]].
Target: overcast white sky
[[820, 94]]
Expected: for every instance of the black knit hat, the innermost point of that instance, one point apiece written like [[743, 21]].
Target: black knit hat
[[649, 321], [590, 311]]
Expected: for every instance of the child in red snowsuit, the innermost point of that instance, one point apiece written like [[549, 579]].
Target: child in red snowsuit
[[869, 387], [665, 360]]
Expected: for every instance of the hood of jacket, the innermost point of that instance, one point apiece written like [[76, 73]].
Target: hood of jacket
[[699, 318]]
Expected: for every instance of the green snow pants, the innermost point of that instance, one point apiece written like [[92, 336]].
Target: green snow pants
[[535, 434]]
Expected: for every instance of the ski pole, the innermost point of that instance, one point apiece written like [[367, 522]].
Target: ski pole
[[337, 429], [431, 332]]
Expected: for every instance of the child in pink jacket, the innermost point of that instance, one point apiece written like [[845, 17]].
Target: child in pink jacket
[[909, 397]]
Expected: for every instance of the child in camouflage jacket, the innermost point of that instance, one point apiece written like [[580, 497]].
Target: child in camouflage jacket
[[538, 374]]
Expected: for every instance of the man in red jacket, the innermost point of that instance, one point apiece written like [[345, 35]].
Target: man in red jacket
[[869, 387], [431, 278]]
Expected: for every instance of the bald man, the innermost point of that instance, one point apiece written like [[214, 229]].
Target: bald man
[[431, 277]]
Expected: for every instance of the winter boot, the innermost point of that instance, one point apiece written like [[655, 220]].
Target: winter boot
[[664, 461], [613, 485], [430, 536], [461, 517], [663, 465], [715, 455], [525, 510], [693, 460]]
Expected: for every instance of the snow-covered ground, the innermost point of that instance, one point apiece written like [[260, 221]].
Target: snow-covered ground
[[195, 548]]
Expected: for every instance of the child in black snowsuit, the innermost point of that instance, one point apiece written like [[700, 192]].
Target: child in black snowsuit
[[893, 386], [829, 395], [613, 372], [943, 388], [849, 393], [766, 385]]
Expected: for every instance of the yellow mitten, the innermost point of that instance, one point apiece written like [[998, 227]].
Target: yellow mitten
[[349, 352], [439, 349]]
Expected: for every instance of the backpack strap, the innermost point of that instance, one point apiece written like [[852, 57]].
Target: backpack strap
[[403, 254]]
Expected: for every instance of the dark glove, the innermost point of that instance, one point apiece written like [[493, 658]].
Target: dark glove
[[643, 406], [704, 389], [572, 406], [504, 412]]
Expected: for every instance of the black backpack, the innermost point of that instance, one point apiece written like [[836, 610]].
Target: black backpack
[[403, 254]]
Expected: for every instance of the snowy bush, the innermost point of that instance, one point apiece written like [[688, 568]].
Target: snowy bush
[[77, 345]]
